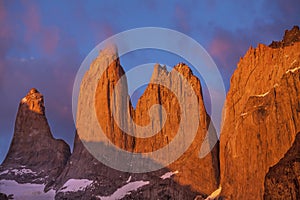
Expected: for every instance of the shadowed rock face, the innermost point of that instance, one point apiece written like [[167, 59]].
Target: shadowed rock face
[[3, 196], [261, 118], [290, 37], [194, 175], [34, 155], [107, 181], [283, 179]]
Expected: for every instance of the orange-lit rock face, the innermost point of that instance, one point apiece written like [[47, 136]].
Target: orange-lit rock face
[[35, 101], [200, 174], [106, 94], [261, 118]]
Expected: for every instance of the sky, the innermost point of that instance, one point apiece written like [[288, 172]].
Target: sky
[[43, 43]]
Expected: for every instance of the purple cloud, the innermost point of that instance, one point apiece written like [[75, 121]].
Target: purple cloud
[[182, 19]]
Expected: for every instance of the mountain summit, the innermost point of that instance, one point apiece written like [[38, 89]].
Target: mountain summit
[[258, 156], [34, 155], [112, 100]]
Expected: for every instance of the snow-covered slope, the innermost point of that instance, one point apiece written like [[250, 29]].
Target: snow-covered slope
[[25, 191]]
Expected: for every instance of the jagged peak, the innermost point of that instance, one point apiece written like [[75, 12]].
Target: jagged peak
[[35, 101], [183, 69], [160, 71], [110, 50], [33, 90], [34, 156], [289, 38]]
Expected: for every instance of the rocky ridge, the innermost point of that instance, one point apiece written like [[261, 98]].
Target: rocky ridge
[[259, 147]]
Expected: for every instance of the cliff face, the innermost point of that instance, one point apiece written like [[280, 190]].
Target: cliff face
[[201, 174], [261, 118], [82, 164], [34, 155], [193, 175], [283, 180]]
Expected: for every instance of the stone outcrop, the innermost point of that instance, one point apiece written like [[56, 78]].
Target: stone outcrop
[[262, 117], [111, 100], [283, 179], [289, 38], [34, 155]]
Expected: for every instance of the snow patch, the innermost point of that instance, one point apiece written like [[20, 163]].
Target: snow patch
[[294, 61], [262, 95], [168, 175], [292, 70], [18, 171], [129, 179], [215, 194], [25, 191], [125, 190], [22, 171], [24, 100], [74, 185], [243, 114], [4, 172]]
